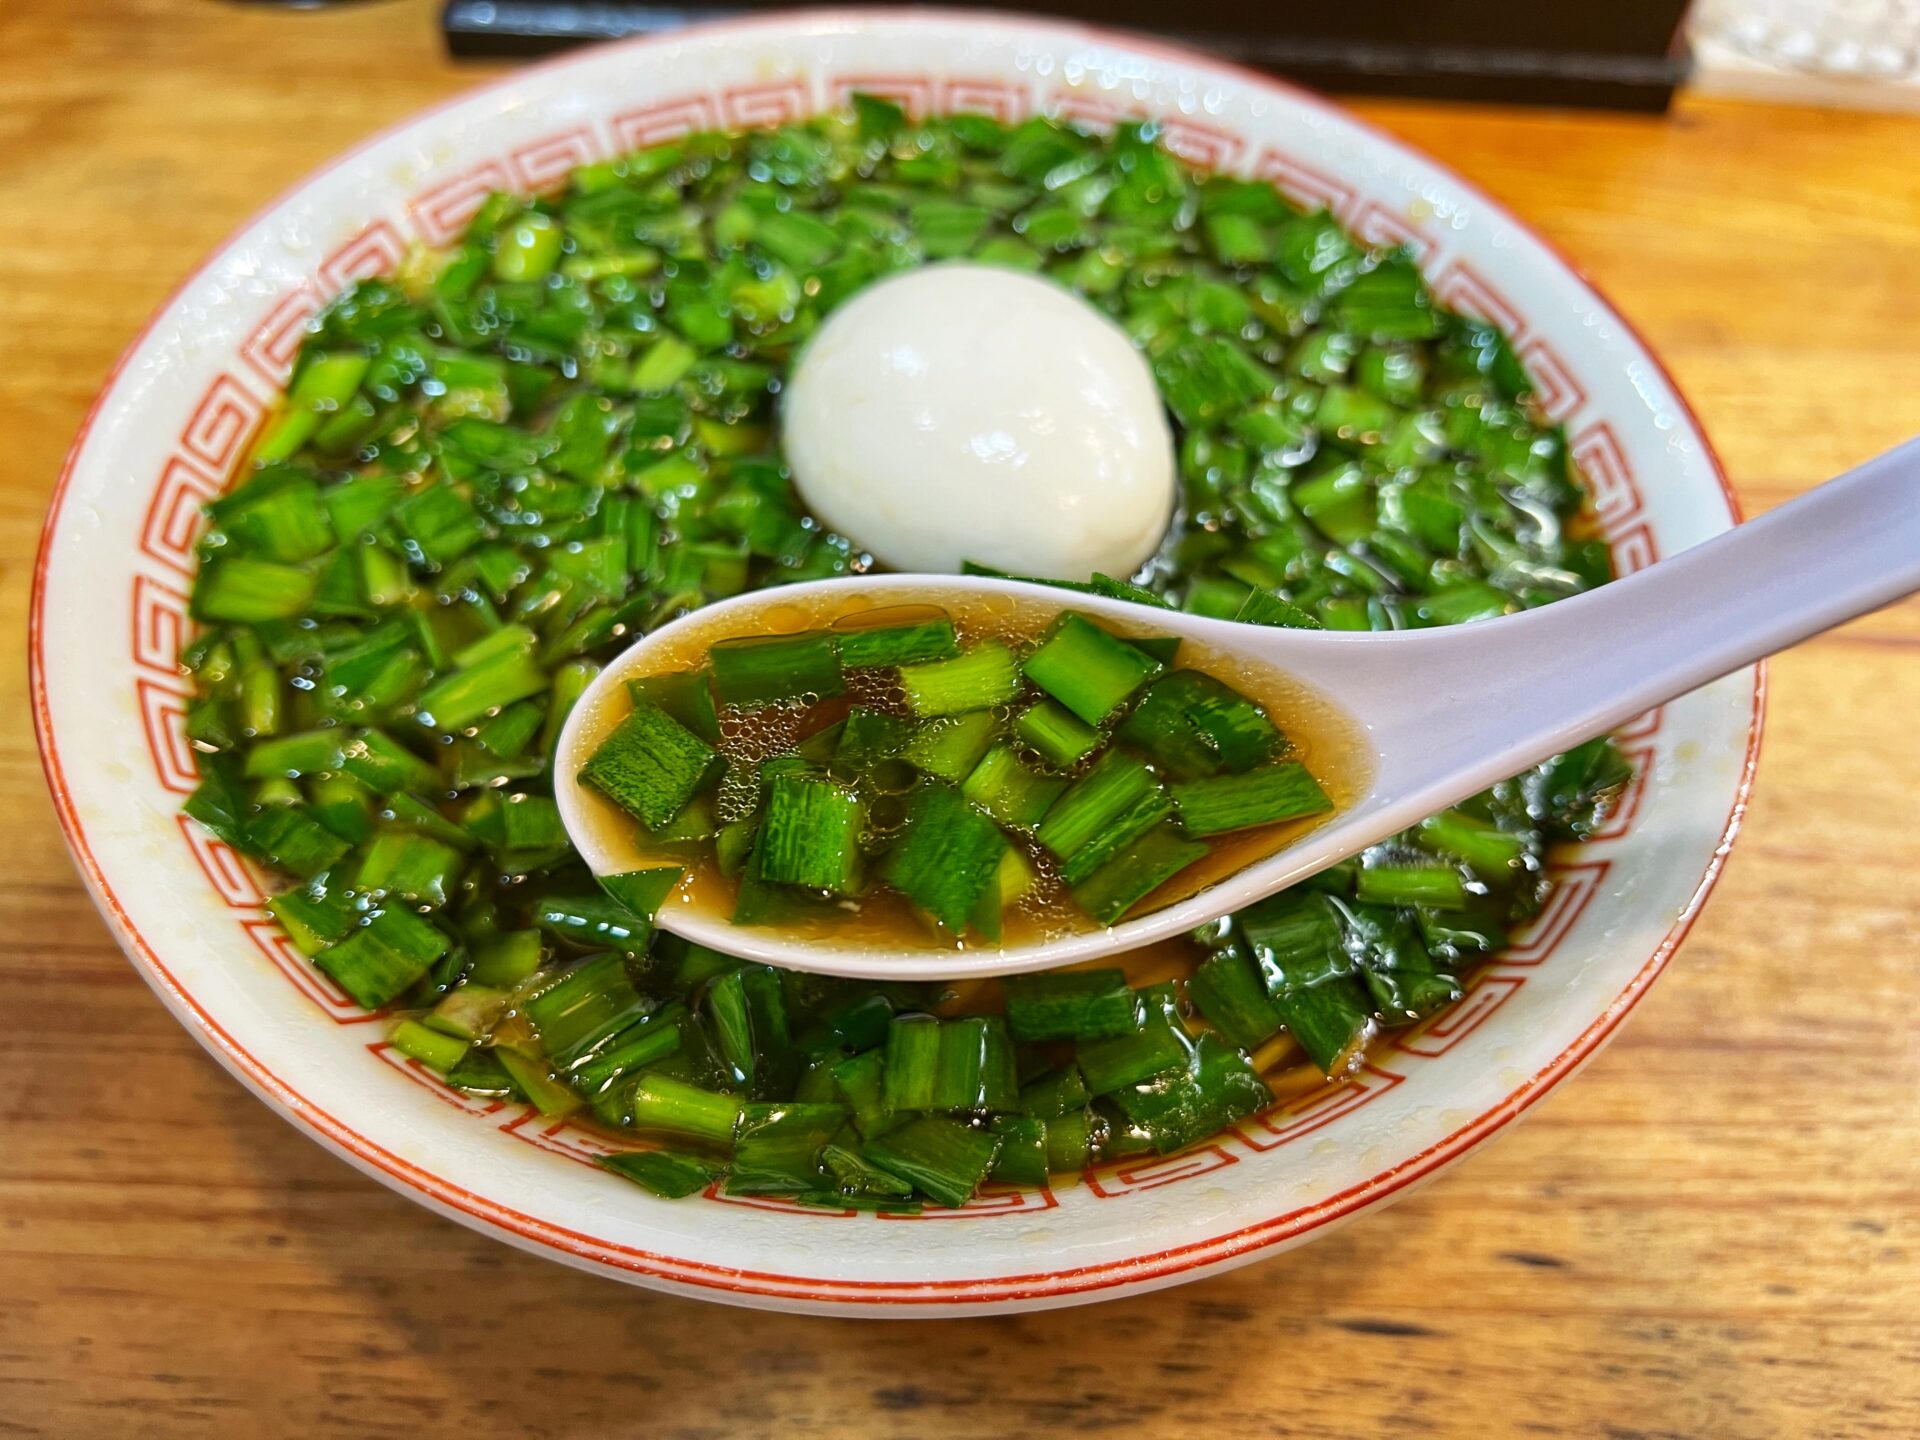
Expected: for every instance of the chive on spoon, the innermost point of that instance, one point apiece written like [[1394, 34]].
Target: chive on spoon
[[1441, 714]]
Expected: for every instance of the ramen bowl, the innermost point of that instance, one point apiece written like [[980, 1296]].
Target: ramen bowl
[[181, 410]]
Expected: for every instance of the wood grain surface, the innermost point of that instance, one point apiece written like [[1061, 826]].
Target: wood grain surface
[[1715, 1232]]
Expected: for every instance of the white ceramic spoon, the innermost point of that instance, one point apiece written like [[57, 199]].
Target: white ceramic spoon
[[1444, 712]]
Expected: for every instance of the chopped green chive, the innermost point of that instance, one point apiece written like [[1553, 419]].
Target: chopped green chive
[[534, 1080], [1116, 788], [946, 1160], [670, 1174], [384, 765], [686, 695], [409, 865], [1135, 873], [946, 857], [979, 678], [912, 1062], [973, 1066], [1196, 726], [868, 737], [383, 958], [1069, 1005], [247, 591], [1022, 1159], [642, 891], [660, 1102], [1010, 790], [1439, 887], [1263, 607], [1228, 990], [811, 835], [1154, 1044], [640, 1045], [1176, 1110], [311, 753], [469, 1012], [1057, 736], [951, 747], [506, 958], [584, 1009], [651, 765], [1061, 1090], [1482, 844], [1086, 669], [431, 1048], [864, 642], [1264, 795], [779, 1146], [770, 669], [1332, 1022], [493, 674]]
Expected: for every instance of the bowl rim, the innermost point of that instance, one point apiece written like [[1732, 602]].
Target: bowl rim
[[727, 1283]]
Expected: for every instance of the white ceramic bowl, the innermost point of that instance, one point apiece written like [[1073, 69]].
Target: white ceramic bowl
[[110, 613]]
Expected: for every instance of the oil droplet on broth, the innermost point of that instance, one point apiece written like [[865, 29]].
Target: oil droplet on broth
[[1321, 738]]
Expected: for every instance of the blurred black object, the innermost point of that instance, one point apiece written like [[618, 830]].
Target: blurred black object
[[1625, 55]]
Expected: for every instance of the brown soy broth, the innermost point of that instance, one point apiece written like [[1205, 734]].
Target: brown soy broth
[[1321, 737]]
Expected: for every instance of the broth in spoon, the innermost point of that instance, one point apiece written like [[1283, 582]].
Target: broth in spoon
[[990, 771]]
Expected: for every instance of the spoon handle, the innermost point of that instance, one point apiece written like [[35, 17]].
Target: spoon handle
[[1567, 672]]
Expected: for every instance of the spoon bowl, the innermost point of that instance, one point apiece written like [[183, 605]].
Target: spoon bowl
[[1436, 715]]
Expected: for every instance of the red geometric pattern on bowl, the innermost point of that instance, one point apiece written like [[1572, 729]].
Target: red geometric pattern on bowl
[[992, 1202], [222, 426], [173, 515], [1461, 287], [163, 719], [374, 251], [1318, 1108], [541, 166], [1091, 111], [1202, 145], [1486, 992], [160, 628], [1643, 726], [274, 345], [272, 941], [984, 96], [1377, 225], [775, 1205], [748, 107], [1130, 1176], [440, 213], [1307, 187], [657, 124], [1610, 484], [227, 874], [1634, 548], [1555, 390], [912, 93], [1207, 146], [1575, 883], [420, 1075], [557, 1137]]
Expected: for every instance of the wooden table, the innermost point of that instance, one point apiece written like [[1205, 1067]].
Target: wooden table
[[1715, 1232]]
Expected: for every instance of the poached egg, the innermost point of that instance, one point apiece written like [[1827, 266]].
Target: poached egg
[[964, 412]]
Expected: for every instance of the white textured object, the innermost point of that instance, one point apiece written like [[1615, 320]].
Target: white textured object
[[966, 412]]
